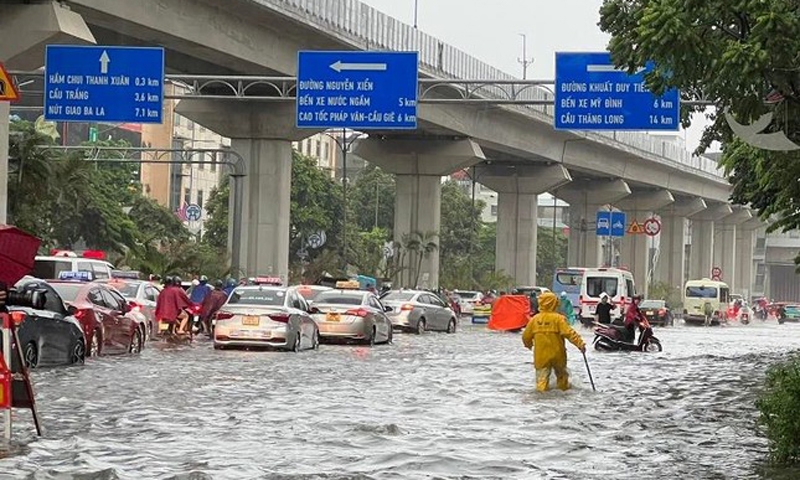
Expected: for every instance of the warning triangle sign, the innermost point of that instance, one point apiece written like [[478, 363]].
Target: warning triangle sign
[[8, 92], [635, 228]]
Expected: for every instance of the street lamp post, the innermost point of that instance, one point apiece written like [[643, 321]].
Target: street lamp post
[[524, 60], [416, 12]]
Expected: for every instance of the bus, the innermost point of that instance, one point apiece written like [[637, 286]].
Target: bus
[[569, 280], [697, 293]]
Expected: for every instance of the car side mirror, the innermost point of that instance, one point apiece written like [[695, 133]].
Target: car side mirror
[[71, 310], [387, 308], [313, 310]]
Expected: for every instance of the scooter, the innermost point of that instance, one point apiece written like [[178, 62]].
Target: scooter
[[608, 338], [195, 318]]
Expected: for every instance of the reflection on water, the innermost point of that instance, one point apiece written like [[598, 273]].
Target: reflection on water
[[436, 406]]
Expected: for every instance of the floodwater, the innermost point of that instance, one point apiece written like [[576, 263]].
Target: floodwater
[[457, 406]]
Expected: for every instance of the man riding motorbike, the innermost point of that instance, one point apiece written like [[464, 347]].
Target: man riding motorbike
[[212, 303], [633, 317], [172, 304]]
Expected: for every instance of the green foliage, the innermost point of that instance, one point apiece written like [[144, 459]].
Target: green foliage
[[367, 254], [217, 208], [665, 291], [551, 253], [779, 404], [734, 54], [373, 188], [459, 239]]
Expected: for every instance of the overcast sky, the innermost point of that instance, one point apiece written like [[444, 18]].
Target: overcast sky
[[489, 30]]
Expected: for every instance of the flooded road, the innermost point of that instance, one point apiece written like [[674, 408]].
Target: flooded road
[[436, 406]]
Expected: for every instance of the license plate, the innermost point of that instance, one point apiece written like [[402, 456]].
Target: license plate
[[250, 321], [332, 317], [649, 313], [163, 327]]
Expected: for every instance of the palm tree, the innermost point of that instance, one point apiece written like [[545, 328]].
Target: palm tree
[[419, 246]]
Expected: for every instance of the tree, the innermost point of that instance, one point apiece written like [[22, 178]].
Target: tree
[[551, 253], [373, 190], [216, 226], [742, 56], [458, 237]]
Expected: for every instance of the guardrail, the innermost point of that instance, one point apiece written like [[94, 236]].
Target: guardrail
[[365, 27]]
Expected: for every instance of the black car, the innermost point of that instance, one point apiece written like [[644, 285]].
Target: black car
[[657, 312], [50, 336]]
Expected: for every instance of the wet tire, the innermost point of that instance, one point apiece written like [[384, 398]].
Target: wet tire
[[390, 337], [653, 346], [136, 342], [372, 335], [315, 340], [96, 346], [451, 326], [31, 355], [78, 353], [420, 326], [296, 345]]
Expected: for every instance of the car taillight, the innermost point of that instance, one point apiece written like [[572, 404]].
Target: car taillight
[[80, 314], [280, 317], [223, 315], [17, 317], [135, 307], [662, 312], [360, 312], [407, 307]]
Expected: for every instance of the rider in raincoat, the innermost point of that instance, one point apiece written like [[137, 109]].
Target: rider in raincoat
[[546, 332], [567, 309]]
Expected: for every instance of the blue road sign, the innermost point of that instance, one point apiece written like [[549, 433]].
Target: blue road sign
[[194, 213], [591, 94], [610, 224], [359, 90], [104, 84]]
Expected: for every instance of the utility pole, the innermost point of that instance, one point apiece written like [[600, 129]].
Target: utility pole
[[524, 61], [416, 12]]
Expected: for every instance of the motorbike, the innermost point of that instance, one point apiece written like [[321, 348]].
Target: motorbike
[[195, 318], [608, 338]]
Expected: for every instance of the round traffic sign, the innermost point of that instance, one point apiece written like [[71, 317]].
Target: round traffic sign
[[652, 227], [716, 272], [317, 239], [716, 278], [194, 213]]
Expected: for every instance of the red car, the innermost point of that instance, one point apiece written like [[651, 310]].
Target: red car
[[105, 316]]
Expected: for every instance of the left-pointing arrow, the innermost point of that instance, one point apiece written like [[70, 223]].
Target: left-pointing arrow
[[339, 66], [104, 61]]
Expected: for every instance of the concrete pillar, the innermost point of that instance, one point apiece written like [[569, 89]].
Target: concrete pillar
[[745, 245], [585, 198], [701, 259], [27, 29], [635, 251], [263, 135], [726, 252], [518, 188], [671, 265], [419, 165]]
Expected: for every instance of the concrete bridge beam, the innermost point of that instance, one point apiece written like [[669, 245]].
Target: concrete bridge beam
[[701, 259], [263, 135], [671, 267], [517, 190], [728, 255], [419, 165], [585, 198]]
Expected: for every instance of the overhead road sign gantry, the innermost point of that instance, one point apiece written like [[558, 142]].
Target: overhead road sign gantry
[[357, 90], [592, 94], [104, 84]]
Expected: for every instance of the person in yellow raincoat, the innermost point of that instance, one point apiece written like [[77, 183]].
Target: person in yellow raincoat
[[545, 333]]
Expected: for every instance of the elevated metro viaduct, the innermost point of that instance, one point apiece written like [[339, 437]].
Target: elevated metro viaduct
[[516, 149]]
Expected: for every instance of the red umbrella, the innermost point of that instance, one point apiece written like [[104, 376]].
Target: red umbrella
[[17, 252]]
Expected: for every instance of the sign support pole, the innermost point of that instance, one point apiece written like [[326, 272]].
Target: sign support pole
[[610, 245], [6, 332]]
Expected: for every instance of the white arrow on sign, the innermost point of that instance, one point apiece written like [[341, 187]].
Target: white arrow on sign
[[608, 69], [104, 61], [362, 67]]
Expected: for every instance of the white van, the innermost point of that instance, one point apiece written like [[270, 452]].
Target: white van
[[617, 283], [49, 268], [695, 296]]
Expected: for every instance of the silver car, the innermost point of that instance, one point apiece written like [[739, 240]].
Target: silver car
[[266, 316], [352, 315], [467, 299], [418, 311]]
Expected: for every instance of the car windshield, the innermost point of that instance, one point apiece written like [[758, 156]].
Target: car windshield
[[127, 289], [653, 304], [260, 297], [339, 298], [793, 308], [398, 296], [597, 285], [68, 291], [50, 269], [701, 292]]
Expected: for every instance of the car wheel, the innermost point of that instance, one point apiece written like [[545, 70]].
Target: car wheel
[[78, 352], [451, 327], [296, 346], [219, 347], [373, 334], [390, 337], [97, 344], [149, 333], [420, 326], [31, 355], [136, 342], [315, 340]]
